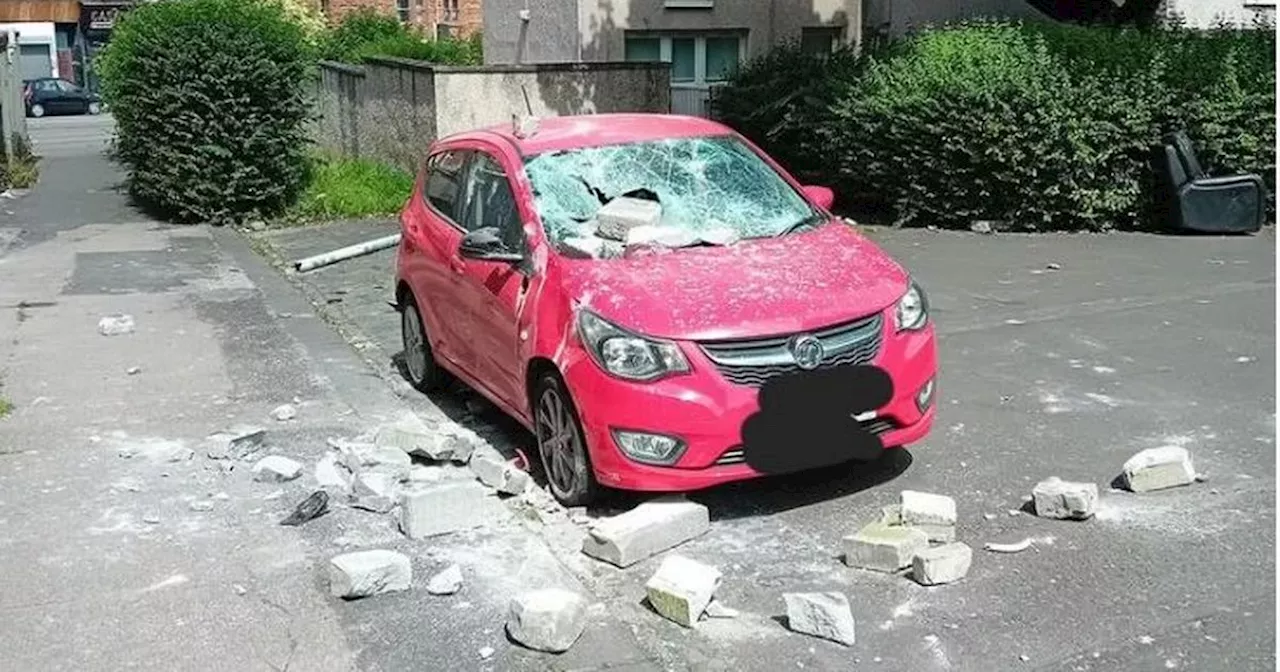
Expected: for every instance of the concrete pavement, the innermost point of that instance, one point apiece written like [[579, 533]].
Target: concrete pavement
[[1061, 355], [109, 559]]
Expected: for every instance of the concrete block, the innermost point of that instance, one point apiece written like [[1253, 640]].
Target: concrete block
[[937, 534], [682, 588], [412, 439], [942, 564], [1064, 500], [116, 325], [500, 475], [331, 475], [276, 469], [375, 489], [825, 615], [550, 619], [927, 508], [1159, 468], [450, 506], [366, 573], [884, 548], [446, 582], [648, 529], [891, 514]]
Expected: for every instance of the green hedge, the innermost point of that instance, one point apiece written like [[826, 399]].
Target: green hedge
[[1040, 126], [366, 32], [782, 100], [210, 99]]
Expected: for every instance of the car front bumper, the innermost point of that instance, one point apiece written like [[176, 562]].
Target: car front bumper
[[706, 411]]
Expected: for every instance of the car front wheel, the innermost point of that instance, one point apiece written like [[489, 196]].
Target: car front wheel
[[561, 444], [94, 108], [419, 362]]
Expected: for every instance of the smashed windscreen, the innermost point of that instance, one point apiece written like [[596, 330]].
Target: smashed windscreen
[[708, 190]]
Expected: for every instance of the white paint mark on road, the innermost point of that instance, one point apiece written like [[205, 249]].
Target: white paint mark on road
[[1104, 370]]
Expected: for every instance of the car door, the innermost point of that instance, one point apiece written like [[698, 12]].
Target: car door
[[431, 235], [495, 291], [70, 100], [46, 94], [74, 99]]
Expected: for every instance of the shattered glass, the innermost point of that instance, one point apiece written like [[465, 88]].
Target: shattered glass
[[714, 187]]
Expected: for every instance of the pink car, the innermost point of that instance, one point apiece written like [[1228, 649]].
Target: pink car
[[624, 285]]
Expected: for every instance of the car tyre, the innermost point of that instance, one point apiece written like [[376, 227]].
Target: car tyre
[[94, 108], [420, 367], [562, 446], [37, 110]]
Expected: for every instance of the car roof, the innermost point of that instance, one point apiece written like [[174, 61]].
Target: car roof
[[595, 130]]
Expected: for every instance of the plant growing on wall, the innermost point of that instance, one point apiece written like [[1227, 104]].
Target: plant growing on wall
[[210, 98]]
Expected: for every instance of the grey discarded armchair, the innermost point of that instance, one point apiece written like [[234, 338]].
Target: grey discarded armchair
[[1189, 200]]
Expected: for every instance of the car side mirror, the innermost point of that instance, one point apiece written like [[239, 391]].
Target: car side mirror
[[823, 197], [486, 245]]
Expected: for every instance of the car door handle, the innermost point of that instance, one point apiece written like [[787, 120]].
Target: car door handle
[[457, 266]]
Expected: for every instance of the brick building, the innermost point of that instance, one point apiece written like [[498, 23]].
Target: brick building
[[437, 18]]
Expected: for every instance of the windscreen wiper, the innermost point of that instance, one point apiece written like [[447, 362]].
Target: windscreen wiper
[[813, 218]]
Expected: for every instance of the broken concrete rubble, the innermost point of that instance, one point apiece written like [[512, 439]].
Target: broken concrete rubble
[[284, 412], [1159, 468], [236, 443], [716, 609], [446, 582], [935, 515], [648, 529], [366, 573], [884, 548], [550, 619], [420, 473], [276, 469], [356, 456], [1063, 500], [413, 439], [927, 508], [825, 615], [375, 490], [116, 325], [891, 514], [615, 218], [330, 474], [942, 564], [502, 476], [682, 588], [451, 506]]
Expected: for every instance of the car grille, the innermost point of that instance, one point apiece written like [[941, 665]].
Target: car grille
[[752, 362], [877, 426]]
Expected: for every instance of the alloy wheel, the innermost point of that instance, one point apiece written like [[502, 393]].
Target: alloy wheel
[[415, 351], [558, 442]]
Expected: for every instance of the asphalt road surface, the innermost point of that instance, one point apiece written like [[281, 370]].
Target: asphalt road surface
[[1061, 355]]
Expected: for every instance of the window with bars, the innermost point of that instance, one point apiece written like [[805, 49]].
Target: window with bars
[[449, 10]]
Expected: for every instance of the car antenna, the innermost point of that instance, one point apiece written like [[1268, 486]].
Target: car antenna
[[524, 125]]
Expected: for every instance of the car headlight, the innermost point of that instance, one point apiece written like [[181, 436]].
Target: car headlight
[[627, 355], [913, 308]]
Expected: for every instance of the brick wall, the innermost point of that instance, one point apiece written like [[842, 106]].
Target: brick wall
[[335, 10], [460, 17]]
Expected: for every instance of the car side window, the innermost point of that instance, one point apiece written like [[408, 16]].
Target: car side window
[[66, 87], [492, 203], [444, 177], [46, 85]]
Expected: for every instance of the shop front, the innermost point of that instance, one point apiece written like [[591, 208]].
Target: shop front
[[97, 18]]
